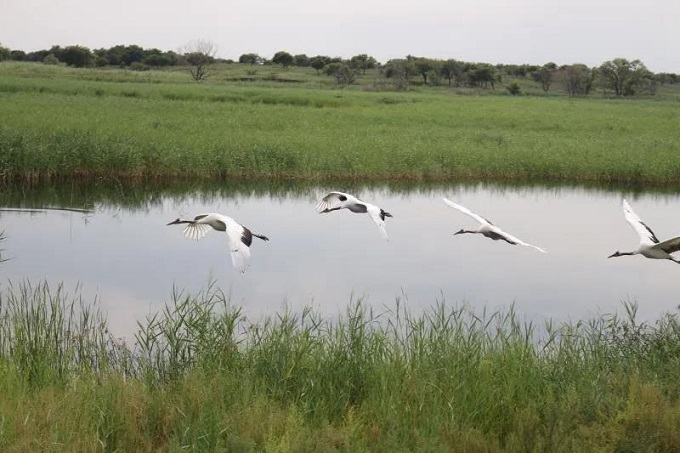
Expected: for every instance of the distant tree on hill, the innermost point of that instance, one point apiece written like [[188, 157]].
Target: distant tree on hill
[[283, 58], [623, 77], [250, 58], [482, 75], [5, 53], [363, 62], [544, 75], [301, 60], [318, 62], [17, 55], [199, 55], [401, 71], [77, 56], [452, 70], [426, 67], [578, 79], [50, 59]]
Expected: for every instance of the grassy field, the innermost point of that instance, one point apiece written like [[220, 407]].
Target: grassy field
[[60, 123], [202, 377]]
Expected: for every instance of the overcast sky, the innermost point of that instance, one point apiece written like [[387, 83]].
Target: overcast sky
[[493, 31]]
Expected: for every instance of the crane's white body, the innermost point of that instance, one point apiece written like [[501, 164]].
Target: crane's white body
[[650, 246], [339, 200], [238, 236], [488, 229]]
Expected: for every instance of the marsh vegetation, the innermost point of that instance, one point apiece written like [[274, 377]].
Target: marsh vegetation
[[63, 123], [199, 374]]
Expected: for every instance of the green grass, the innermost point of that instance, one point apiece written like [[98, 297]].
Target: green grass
[[60, 123], [200, 376]]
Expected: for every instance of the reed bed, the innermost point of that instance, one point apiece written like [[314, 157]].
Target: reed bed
[[201, 376], [65, 125]]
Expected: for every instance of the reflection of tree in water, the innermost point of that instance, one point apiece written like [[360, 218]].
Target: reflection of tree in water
[[85, 197]]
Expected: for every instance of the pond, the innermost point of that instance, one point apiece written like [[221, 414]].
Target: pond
[[120, 250]]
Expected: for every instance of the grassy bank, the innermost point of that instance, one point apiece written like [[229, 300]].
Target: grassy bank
[[201, 376], [56, 125]]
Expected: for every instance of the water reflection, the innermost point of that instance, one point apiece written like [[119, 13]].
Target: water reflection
[[122, 251]]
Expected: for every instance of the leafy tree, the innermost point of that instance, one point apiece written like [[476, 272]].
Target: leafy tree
[[50, 59], [514, 88], [578, 79], [544, 76], [17, 55], [157, 60], [5, 53], [623, 77], [452, 70], [199, 56], [77, 56], [426, 66], [363, 62], [301, 60], [318, 62], [344, 74], [482, 75], [401, 71], [250, 58], [283, 58]]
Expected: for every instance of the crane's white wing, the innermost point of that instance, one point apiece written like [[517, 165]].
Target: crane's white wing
[[240, 252], [334, 200], [517, 241], [669, 246], [374, 212], [646, 234], [465, 210], [196, 230]]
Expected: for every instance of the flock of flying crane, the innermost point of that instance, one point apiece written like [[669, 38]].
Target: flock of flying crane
[[240, 237]]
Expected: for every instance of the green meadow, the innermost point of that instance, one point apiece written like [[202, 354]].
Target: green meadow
[[60, 123]]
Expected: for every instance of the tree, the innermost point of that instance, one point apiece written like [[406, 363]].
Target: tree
[[482, 75], [452, 69], [283, 58], [363, 62], [401, 71], [77, 56], [5, 53], [199, 55], [624, 77], [578, 79], [318, 62], [301, 60], [344, 74], [17, 55], [425, 67], [250, 58], [514, 88], [544, 75]]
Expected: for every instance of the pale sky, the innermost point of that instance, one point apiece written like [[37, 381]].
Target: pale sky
[[492, 31]]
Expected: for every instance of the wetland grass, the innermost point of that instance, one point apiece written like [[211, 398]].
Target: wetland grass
[[201, 376], [70, 124]]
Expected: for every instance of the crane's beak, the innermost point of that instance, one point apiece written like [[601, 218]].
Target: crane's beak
[[459, 232], [175, 222], [613, 255]]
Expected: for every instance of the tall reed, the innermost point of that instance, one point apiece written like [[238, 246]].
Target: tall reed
[[201, 375]]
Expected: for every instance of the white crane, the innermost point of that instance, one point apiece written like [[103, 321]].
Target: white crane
[[649, 247], [239, 237], [487, 228], [338, 200]]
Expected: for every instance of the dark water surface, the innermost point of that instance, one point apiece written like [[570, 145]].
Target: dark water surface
[[120, 249]]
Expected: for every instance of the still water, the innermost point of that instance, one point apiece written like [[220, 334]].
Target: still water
[[123, 253]]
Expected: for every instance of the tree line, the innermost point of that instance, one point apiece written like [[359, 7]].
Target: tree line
[[620, 76]]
